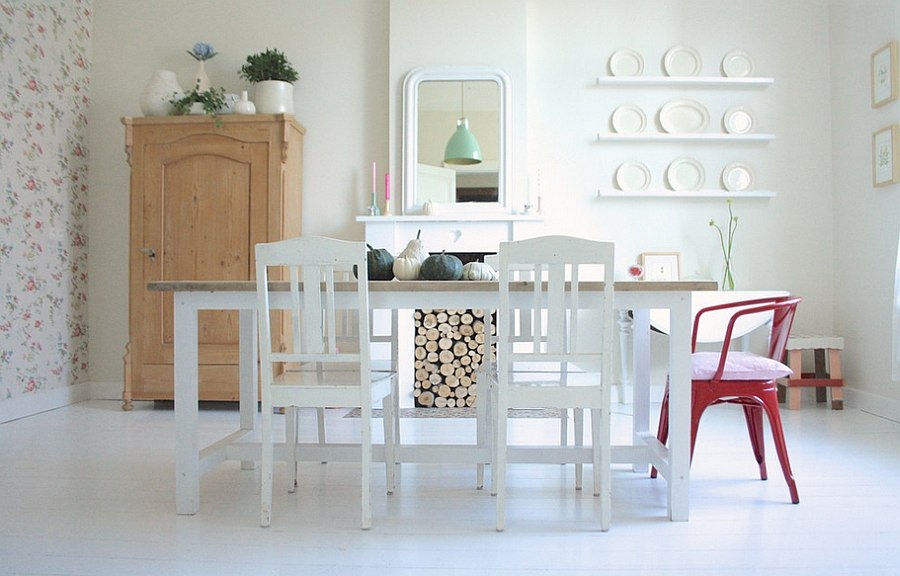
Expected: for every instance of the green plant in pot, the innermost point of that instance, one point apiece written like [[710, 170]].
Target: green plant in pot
[[273, 77], [208, 102]]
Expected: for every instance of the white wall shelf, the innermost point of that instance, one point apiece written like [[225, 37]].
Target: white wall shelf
[[685, 81], [693, 137], [664, 193]]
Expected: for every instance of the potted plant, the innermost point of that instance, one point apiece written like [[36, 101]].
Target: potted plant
[[197, 101], [274, 79]]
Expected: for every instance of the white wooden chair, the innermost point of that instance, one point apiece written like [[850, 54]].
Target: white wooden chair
[[520, 329], [565, 364], [306, 367]]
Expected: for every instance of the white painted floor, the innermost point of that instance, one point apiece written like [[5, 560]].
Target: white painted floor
[[89, 489]]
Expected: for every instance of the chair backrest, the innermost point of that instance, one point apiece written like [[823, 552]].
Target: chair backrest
[[572, 284], [326, 305], [782, 310]]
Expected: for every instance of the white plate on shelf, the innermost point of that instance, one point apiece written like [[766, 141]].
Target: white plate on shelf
[[737, 177], [682, 60], [737, 64], [632, 176], [685, 175], [626, 62], [683, 116], [739, 120], [628, 120]]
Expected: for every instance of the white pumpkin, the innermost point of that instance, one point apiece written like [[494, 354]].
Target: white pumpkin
[[406, 268], [479, 271], [415, 249]]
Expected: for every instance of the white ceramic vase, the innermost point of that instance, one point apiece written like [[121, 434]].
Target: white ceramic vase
[[201, 80], [244, 106], [162, 87], [274, 97]]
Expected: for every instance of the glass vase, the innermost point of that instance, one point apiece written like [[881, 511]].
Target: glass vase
[[728, 275]]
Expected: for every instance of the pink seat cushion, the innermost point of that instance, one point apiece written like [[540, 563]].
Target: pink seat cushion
[[738, 366]]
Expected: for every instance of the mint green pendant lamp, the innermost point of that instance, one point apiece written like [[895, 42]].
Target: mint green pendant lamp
[[462, 148]]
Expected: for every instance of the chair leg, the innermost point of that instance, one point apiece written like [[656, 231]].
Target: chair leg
[[291, 439], [753, 415], [770, 404], [390, 458], [482, 426], [600, 443], [366, 463], [265, 464], [320, 425], [662, 430], [498, 468], [578, 414]]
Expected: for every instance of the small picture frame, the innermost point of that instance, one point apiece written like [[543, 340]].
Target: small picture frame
[[885, 167], [884, 75], [661, 266]]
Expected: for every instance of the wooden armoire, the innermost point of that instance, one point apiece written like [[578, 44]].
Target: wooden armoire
[[204, 192]]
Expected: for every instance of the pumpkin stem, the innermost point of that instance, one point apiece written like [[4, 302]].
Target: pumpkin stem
[[369, 246], [419, 233]]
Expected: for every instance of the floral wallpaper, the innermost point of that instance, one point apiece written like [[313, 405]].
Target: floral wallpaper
[[45, 49]]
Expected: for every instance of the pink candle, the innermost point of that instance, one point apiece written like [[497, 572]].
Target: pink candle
[[387, 186]]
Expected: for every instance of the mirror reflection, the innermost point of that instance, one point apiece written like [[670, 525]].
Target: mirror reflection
[[455, 136], [459, 141]]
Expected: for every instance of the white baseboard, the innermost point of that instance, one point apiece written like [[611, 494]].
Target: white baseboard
[[30, 404], [872, 403], [106, 390]]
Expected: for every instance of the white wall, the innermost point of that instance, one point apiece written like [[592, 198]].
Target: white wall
[[352, 56], [460, 33], [340, 50], [867, 226]]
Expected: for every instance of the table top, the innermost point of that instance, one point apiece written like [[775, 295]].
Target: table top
[[432, 285]]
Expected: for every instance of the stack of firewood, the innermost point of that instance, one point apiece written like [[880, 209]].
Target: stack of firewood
[[449, 348]]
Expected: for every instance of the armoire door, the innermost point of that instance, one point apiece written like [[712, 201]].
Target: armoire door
[[205, 208]]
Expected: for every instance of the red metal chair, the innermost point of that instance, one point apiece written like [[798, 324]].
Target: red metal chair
[[744, 378]]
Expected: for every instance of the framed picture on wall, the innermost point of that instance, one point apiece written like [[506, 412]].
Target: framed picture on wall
[[885, 166], [661, 266], [884, 75]]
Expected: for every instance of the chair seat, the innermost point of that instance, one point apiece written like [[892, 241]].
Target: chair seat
[[331, 382], [738, 366]]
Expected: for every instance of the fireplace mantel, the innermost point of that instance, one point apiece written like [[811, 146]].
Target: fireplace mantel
[[451, 232]]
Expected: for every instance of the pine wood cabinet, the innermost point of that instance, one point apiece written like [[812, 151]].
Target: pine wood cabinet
[[203, 193]]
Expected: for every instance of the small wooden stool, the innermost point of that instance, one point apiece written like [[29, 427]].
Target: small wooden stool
[[820, 378]]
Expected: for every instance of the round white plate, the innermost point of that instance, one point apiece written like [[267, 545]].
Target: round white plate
[[682, 61], [685, 175], [628, 120], [626, 62], [632, 176], [737, 177], [738, 120], [737, 64], [683, 116]]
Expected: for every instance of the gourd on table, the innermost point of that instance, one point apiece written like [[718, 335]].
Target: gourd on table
[[478, 271], [441, 266], [379, 263], [408, 263]]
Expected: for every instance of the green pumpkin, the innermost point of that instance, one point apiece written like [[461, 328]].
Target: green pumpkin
[[441, 267], [379, 263]]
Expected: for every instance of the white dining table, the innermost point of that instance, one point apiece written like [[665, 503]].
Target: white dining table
[[192, 460]]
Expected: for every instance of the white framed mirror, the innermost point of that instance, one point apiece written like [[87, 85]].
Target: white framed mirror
[[435, 99]]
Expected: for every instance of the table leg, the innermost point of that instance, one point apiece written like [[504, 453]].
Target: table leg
[[249, 376], [641, 378], [187, 375], [680, 409]]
